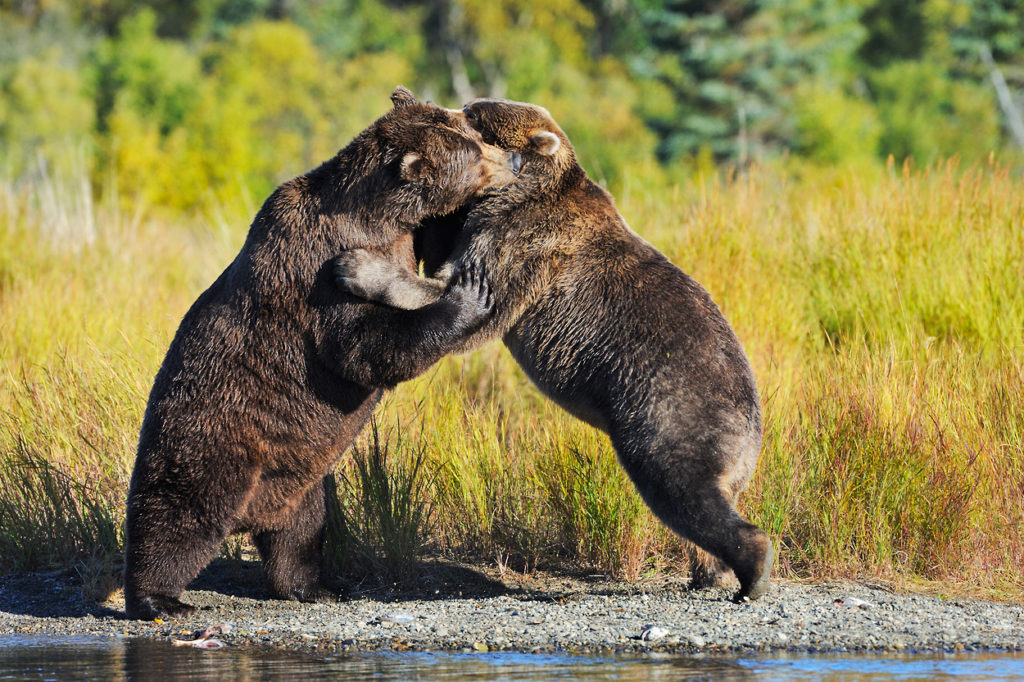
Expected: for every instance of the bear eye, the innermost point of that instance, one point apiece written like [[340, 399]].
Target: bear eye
[[470, 114]]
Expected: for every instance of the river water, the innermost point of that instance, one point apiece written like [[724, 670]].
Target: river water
[[48, 658]]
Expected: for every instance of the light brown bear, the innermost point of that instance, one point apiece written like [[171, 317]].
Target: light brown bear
[[612, 331], [274, 371]]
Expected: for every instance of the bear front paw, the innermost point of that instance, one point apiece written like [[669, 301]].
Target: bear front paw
[[470, 290]]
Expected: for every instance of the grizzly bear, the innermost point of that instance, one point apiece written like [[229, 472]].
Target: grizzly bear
[[273, 371], [612, 331]]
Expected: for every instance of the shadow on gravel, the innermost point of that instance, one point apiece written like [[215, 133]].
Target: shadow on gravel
[[48, 595], [59, 595], [438, 579], [233, 578], [434, 580]]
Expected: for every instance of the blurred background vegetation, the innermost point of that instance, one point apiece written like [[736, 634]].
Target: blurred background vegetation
[[844, 177], [183, 105]]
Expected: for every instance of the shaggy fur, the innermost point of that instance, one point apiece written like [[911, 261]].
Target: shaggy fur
[[612, 331], [274, 371]]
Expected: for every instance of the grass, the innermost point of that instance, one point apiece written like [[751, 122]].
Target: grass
[[883, 311], [379, 510], [70, 520]]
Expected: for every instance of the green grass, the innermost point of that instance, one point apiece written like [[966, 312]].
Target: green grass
[[379, 510], [49, 518], [883, 311]]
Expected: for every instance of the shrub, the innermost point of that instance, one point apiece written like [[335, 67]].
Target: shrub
[[925, 115]]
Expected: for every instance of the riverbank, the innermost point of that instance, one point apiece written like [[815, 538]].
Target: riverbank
[[457, 608]]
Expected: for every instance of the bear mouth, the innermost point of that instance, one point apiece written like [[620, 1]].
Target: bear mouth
[[436, 237]]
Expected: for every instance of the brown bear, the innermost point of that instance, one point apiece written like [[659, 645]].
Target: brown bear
[[612, 331], [273, 371]]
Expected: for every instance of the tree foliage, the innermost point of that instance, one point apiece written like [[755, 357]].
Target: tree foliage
[[180, 103]]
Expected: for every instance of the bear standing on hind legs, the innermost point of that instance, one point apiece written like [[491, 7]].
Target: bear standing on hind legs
[[612, 331], [273, 371]]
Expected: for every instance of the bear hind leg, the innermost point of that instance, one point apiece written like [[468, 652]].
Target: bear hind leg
[[705, 517], [293, 553], [743, 547], [706, 570]]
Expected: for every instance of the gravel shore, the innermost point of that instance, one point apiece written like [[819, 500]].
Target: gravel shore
[[458, 608]]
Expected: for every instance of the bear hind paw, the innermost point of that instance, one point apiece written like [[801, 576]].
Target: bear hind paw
[[316, 593], [757, 585]]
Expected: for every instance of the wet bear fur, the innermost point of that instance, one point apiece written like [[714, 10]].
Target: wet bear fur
[[274, 371], [610, 329]]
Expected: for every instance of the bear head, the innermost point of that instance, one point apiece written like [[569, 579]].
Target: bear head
[[525, 128], [444, 161]]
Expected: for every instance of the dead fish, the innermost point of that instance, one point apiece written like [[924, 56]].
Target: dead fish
[[199, 643], [852, 601], [203, 639], [649, 633]]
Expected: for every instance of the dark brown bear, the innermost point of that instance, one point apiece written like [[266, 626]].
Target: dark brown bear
[[612, 331], [273, 371]]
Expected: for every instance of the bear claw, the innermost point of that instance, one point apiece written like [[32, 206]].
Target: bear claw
[[153, 606], [759, 586]]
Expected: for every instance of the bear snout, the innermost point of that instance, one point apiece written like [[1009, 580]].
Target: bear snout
[[499, 167]]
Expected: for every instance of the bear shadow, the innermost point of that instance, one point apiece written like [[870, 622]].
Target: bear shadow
[[242, 578], [437, 579], [427, 580]]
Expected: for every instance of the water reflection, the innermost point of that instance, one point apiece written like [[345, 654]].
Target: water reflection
[[47, 658]]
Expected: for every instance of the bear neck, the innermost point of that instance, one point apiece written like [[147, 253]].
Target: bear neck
[[362, 185], [354, 200]]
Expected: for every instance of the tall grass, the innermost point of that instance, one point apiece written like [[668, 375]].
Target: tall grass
[[379, 510], [883, 311], [48, 518]]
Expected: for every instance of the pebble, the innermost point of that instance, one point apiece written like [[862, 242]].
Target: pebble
[[579, 617], [398, 618]]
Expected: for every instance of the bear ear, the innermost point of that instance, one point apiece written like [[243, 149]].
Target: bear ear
[[413, 166], [545, 143], [402, 97]]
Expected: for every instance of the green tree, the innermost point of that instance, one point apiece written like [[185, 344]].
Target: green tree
[[343, 29], [928, 76], [497, 47], [896, 30], [145, 87], [137, 71], [732, 68], [927, 115], [273, 106], [265, 108], [832, 126], [46, 112]]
